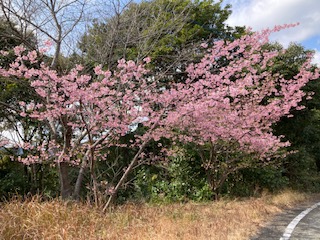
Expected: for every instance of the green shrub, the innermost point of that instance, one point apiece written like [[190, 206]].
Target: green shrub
[[181, 179]]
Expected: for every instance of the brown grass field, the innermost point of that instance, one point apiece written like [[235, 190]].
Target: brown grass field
[[223, 219]]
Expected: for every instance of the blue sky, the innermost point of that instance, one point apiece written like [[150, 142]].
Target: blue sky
[[260, 14]]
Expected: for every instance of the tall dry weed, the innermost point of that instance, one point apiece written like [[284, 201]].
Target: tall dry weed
[[224, 219]]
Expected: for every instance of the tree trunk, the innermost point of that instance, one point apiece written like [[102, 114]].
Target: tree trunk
[[124, 176], [77, 188], [84, 165], [93, 176], [65, 187], [63, 167]]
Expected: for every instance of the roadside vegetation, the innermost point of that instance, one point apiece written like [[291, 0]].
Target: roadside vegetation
[[224, 219]]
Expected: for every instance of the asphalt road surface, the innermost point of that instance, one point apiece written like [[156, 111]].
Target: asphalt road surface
[[302, 223]]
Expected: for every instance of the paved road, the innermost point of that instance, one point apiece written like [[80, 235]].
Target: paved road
[[302, 223], [309, 226]]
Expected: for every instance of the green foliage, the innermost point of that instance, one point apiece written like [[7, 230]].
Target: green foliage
[[181, 179], [303, 129], [302, 172], [254, 181], [289, 63], [19, 179], [13, 179], [224, 164], [184, 178]]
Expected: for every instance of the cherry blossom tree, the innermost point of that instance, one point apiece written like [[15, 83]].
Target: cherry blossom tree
[[226, 108], [230, 108], [85, 113]]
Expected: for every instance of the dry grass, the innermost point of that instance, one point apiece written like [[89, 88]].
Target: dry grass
[[217, 220]]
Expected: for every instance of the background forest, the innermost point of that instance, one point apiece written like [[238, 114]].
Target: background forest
[[167, 42]]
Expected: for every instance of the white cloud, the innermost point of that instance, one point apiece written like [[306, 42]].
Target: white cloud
[[260, 14], [316, 58]]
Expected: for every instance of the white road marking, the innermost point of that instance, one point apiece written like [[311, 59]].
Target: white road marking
[[295, 221]]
